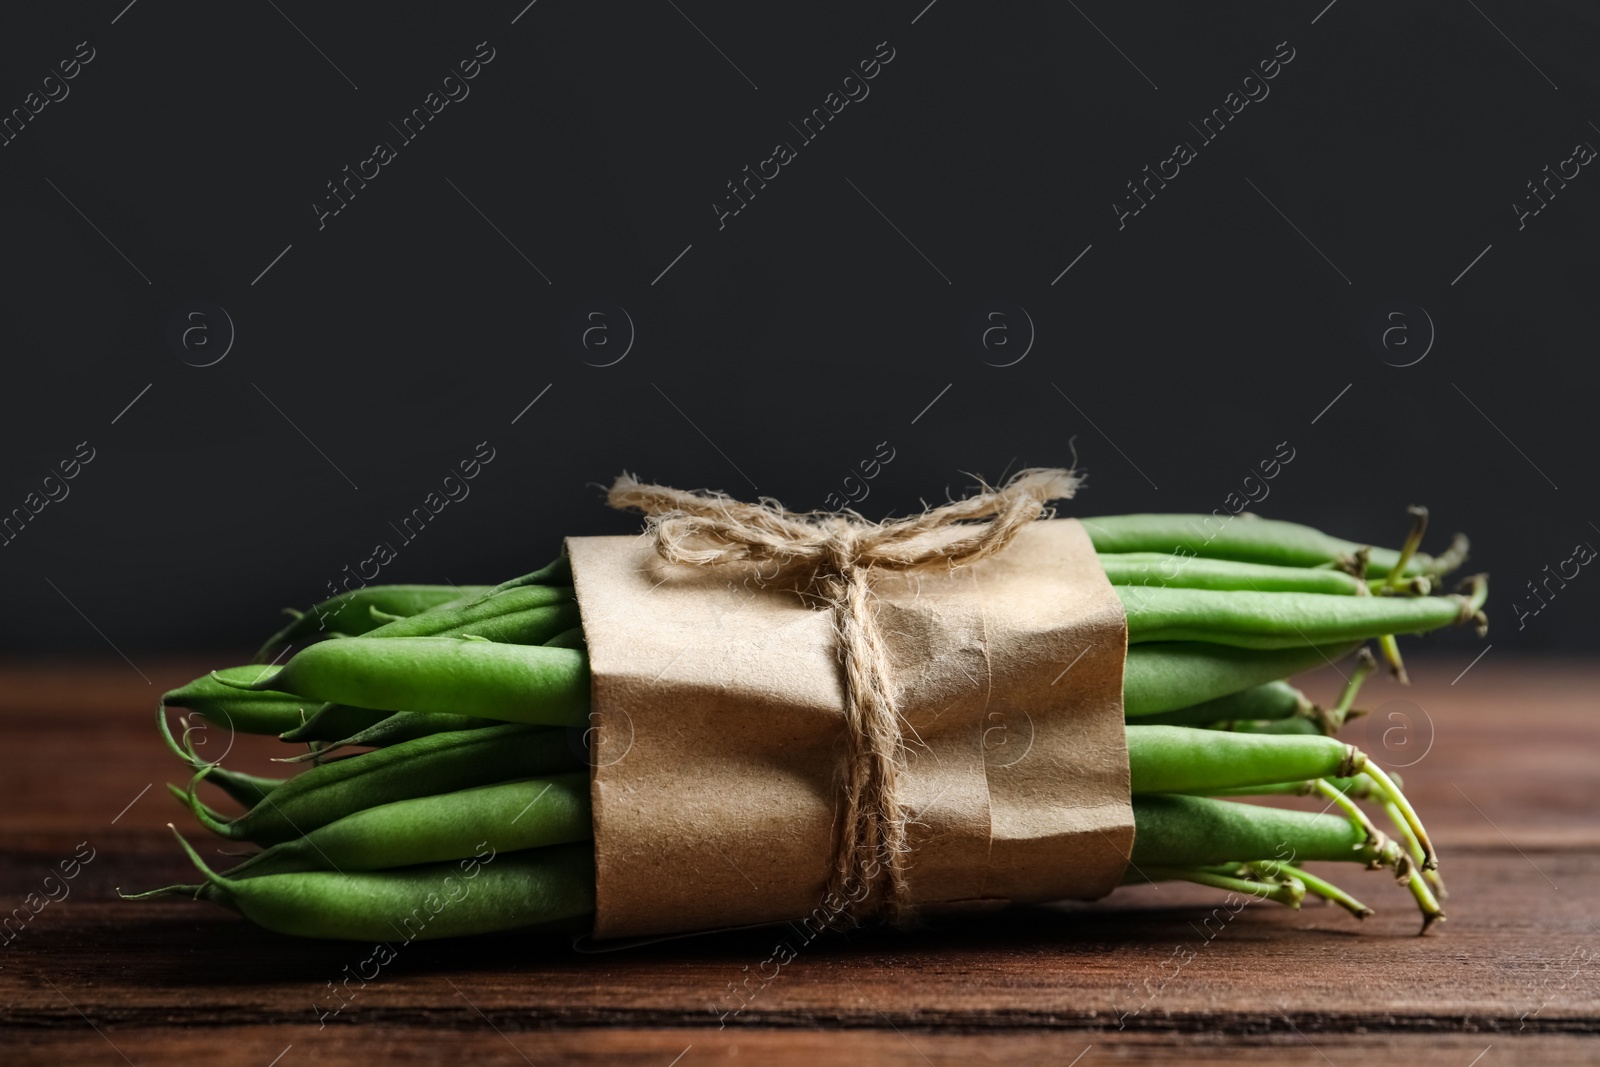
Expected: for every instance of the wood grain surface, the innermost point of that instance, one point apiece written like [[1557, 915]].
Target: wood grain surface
[[1502, 765]]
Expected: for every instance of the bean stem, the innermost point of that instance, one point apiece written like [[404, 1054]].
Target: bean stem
[[1314, 885], [1391, 792], [1288, 891]]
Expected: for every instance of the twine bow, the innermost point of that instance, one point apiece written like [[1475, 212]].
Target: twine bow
[[832, 555]]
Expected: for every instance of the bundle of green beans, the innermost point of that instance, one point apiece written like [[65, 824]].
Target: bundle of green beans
[[470, 706]]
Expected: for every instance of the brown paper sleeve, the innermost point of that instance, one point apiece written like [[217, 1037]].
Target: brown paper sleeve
[[718, 733]]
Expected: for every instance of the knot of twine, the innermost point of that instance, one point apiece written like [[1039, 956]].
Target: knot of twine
[[832, 554]]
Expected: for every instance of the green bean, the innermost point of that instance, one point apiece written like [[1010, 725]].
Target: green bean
[[398, 727], [1308, 718], [424, 767], [351, 613], [1185, 831], [333, 721], [1253, 540], [1273, 701], [453, 675], [247, 711], [486, 893], [535, 626], [247, 789], [557, 572], [1284, 620], [1299, 726], [509, 816], [478, 615], [1166, 676], [1183, 759], [1139, 569]]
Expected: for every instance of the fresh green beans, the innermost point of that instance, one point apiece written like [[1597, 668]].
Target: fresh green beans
[[533, 626], [247, 789], [398, 727], [333, 721], [472, 616], [1195, 572], [1167, 676], [1253, 540], [520, 814], [1180, 759], [1275, 700], [466, 818], [352, 613], [502, 681], [1282, 620], [557, 572], [485, 893], [453, 675], [248, 711], [1185, 831], [1274, 708], [424, 767]]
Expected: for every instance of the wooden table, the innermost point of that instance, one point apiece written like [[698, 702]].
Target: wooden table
[[1507, 784]]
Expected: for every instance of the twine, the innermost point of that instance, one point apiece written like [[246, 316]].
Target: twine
[[832, 555]]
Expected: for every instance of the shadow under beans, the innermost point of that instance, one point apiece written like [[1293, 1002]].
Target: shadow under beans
[[167, 943], [164, 942]]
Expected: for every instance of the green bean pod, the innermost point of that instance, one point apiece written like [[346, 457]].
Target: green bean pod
[[245, 710], [1310, 718], [453, 675], [424, 767], [1273, 701], [478, 614], [331, 722], [393, 729], [557, 572], [1162, 677], [1183, 759], [1281, 620], [247, 789], [1295, 727], [486, 893], [1186, 831], [1197, 572], [351, 614], [1252, 540], [409, 725], [534, 626], [509, 816]]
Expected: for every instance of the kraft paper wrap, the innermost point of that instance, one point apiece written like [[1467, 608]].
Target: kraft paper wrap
[[717, 702]]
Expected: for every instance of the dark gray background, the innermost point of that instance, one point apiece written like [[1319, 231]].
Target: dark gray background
[[778, 352]]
